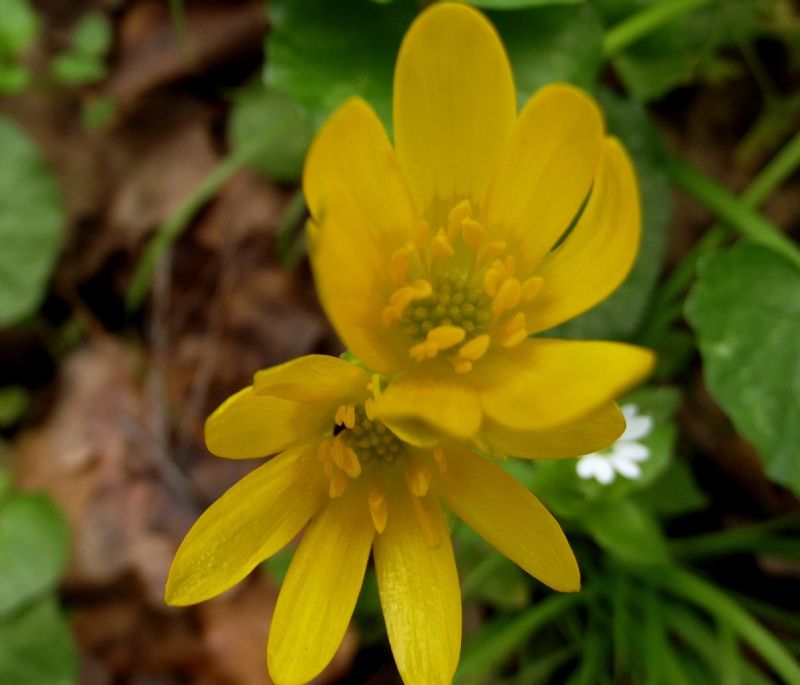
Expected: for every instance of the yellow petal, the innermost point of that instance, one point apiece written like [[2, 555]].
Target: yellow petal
[[362, 212], [542, 384], [546, 170], [247, 425], [320, 590], [433, 396], [598, 253], [312, 379], [419, 594], [250, 522], [590, 433], [454, 105], [509, 518]]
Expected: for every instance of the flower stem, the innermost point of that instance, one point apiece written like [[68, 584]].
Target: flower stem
[[646, 21]]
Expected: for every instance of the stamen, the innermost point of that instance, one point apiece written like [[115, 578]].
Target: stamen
[[337, 485], [440, 245], [455, 219], [490, 251], [508, 296], [418, 290], [531, 287], [418, 478], [475, 348], [439, 338], [474, 233], [492, 278], [513, 331], [345, 416], [461, 365], [378, 507], [399, 263], [426, 517]]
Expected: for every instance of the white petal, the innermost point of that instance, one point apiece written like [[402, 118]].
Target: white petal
[[632, 451], [629, 469], [638, 427], [587, 466], [629, 411]]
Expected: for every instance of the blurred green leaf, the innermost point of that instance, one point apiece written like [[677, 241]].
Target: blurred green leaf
[[13, 403], [271, 132], [18, 26], [620, 315], [34, 544], [92, 35], [745, 310], [674, 493], [30, 224], [36, 647], [627, 531], [519, 4], [13, 77], [76, 69]]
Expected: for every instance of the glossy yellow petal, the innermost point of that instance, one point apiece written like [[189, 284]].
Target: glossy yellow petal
[[320, 590], [315, 378], [509, 518], [454, 104], [247, 425], [546, 170], [250, 522], [590, 433], [434, 396], [420, 595], [361, 211], [542, 384], [598, 253]]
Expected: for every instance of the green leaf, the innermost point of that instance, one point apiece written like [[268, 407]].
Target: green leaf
[[34, 544], [36, 647], [30, 224], [92, 35], [13, 404], [555, 43], [745, 310], [519, 4], [271, 132], [674, 493], [76, 69], [18, 26], [619, 316], [13, 77], [627, 531], [322, 52]]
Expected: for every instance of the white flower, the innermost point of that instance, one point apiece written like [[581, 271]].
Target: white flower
[[624, 455]]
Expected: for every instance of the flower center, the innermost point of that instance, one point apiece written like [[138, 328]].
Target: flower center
[[458, 291], [370, 439]]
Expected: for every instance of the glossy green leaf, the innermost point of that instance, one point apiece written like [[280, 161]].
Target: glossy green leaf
[[271, 132], [36, 647], [745, 311], [30, 224], [34, 544], [619, 316]]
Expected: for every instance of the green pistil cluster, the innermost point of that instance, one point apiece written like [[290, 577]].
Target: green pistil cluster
[[372, 440], [452, 303]]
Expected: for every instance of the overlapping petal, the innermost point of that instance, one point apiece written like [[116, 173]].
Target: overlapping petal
[[598, 253], [420, 595], [454, 104], [542, 384], [546, 170], [319, 593], [313, 379], [508, 517], [252, 521]]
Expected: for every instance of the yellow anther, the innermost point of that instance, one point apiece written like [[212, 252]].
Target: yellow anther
[[418, 477], [427, 517], [531, 287], [474, 233], [514, 331], [461, 365], [338, 484], [440, 245], [441, 459], [424, 350], [369, 408], [446, 336], [399, 263], [350, 463], [515, 338], [345, 416], [324, 455], [489, 251], [508, 296], [475, 348], [455, 218], [491, 279], [418, 290], [378, 507]]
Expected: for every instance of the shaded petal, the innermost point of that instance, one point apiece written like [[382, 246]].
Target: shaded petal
[[320, 590], [247, 425], [546, 170], [598, 253], [433, 396], [508, 517], [361, 210], [454, 104], [250, 522], [419, 594], [590, 433], [638, 427], [546, 383], [312, 379]]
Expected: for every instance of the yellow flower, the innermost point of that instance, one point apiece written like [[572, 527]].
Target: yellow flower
[[437, 258], [363, 489]]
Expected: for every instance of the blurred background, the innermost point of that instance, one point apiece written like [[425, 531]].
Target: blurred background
[[152, 259]]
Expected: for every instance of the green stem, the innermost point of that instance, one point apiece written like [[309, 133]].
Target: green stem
[[708, 596], [289, 243], [736, 213], [175, 225], [644, 22]]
